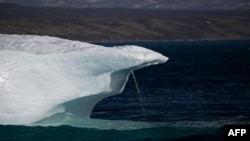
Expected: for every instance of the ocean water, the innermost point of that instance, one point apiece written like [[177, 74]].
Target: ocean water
[[203, 86]]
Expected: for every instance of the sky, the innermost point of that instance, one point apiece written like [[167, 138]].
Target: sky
[[139, 4]]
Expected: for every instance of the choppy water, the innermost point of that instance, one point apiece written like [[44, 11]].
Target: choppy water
[[204, 85], [202, 81]]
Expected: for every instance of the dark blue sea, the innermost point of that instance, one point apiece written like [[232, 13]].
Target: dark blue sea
[[204, 86]]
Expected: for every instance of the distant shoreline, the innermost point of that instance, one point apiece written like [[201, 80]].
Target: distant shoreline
[[152, 41], [125, 25]]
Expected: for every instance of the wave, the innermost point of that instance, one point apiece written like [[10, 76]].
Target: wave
[[62, 125], [104, 124], [74, 133], [41, 76]]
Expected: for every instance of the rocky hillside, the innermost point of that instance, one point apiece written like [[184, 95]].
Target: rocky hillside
[[142, 4], [124, 24]]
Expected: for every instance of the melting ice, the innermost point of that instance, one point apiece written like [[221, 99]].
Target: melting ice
[[41, 76]]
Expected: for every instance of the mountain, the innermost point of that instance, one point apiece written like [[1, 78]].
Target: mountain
[[140, 4]]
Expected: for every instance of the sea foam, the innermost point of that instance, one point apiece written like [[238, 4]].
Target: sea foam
[[41, 76]]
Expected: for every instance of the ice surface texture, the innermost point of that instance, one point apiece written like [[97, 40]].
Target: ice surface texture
[[41, 76]]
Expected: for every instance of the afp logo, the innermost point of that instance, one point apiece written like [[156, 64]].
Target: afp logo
[[236, 132]]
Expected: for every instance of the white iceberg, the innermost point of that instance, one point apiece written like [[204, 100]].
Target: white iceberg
[[41, 76]]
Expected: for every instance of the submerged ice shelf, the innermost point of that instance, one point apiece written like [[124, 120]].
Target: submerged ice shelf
[[41, 76]]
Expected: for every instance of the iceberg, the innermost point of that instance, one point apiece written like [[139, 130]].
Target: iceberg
[[41, 76]]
